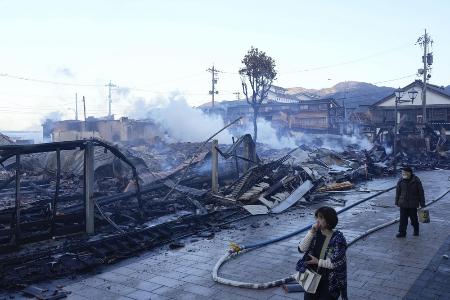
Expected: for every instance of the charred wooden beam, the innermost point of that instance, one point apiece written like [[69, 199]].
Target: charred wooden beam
[[89, 187], [15, 226], [55, 199], [214, 167]]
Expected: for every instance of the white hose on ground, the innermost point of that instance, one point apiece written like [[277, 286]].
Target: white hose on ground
[[235, 251]]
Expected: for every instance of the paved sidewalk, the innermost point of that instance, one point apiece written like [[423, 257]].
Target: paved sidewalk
[[379, 267], [434, 281]]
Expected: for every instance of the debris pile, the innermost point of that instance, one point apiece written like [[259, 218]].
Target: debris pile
[[152, 194]]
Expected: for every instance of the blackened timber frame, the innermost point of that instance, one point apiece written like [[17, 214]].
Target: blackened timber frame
[[8, 151]]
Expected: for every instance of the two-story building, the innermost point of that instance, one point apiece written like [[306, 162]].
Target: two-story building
[[321, 115], [409, 115]]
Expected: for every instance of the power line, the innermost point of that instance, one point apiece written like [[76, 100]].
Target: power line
[[88, 84], [353, 60], [47, 81], [198, 73], [340, 63], [394, 79]]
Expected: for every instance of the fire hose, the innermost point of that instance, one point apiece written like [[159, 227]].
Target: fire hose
[[236, 250]]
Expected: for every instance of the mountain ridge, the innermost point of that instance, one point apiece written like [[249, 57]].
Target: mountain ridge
[[352, 93]]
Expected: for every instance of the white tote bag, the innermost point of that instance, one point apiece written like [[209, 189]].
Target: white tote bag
[[309, 279]]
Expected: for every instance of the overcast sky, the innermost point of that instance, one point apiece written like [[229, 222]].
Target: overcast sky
[[156, 47]]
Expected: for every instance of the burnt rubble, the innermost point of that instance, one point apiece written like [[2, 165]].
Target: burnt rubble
[[153, 194]]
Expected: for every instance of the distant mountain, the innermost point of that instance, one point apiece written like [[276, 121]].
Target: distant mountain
[[353, 93]]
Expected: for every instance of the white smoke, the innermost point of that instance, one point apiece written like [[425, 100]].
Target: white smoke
[[54, 116], [181, 122], [267, 134], [64, 72], [357, 139], [337, 143]]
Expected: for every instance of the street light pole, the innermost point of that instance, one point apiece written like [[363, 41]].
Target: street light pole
[[398, 96], [398, 99]]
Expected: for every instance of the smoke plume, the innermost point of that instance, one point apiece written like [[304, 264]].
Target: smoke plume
[[181, 122]]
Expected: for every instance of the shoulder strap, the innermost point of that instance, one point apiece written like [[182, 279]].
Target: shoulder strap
[[325, 245]]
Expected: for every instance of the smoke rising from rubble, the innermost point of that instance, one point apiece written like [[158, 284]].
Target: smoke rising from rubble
[[268, 135], [64, 72], [122, 92], [181, 122], [184, 123], [54, 116], [336, 143]]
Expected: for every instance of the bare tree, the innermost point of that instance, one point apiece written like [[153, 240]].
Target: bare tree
[[259, 72]]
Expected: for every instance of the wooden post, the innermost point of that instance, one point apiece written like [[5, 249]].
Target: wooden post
[[249, 153], [246, 155], [215, 167], [55, 198], [89, 187], [235, 160]]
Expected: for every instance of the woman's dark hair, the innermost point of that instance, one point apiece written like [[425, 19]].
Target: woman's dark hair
[[329, 214]]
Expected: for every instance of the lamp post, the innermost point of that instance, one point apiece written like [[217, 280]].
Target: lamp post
[[398, 99]]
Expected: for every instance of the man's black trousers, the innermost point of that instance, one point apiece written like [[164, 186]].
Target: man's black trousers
[[406, 213]]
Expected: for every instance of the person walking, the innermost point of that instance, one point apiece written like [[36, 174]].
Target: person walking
[[408, 197], [333, 266]]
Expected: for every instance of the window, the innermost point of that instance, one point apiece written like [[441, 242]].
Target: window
[[303, 107], [323, 106], [439, 114], [409, 115], [389, 114], [313, 122]]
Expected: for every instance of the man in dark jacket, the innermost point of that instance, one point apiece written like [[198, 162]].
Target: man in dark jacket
[[409, 197]]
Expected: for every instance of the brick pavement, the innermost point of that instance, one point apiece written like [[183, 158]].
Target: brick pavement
[[380, 266]]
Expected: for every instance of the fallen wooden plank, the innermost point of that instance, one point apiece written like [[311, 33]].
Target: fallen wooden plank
[[293, 198], [184, 189], [226, 198], [266, 202], [346, 185], [256, 209]]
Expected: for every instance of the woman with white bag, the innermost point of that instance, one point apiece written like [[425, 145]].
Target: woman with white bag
[[324, 259]]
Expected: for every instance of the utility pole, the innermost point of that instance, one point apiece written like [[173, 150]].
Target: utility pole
[[238, 95], [345, 109], [84, 108], [110, 85], [427, 60], [345, 115], [76, 106], [213, 91]]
